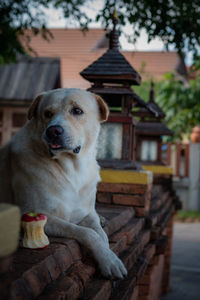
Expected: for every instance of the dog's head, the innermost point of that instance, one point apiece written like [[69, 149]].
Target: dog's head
[[68, 119]]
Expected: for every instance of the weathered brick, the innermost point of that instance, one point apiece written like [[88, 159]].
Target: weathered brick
[[5, 263], [118, 246], [104, 197], [97, 289], [129, 256], [142, 211], [124, 288], [63, 258], [135, 294], [143, 239], [118, 220], [124, 188], [131, 200]]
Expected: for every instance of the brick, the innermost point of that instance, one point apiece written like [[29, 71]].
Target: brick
[[5, 264], [161, 245], [143, 239], [118, 220], [104, 197], [125, 288], [124, 188], [63, 257], [129, 256], [71, 285], [131, 200], [118, 246], [97, 289], [142, 211], [10, 228], [135, 294], [155, 233]]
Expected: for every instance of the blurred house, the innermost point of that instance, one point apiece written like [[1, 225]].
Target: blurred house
[[58, 63], [78, 49], [19, 84]]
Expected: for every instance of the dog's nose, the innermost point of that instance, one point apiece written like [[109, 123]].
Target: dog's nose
[[54, 131]]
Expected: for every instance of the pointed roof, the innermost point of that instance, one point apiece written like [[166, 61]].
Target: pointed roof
[[151, 106], [154, 126], [112, 66]]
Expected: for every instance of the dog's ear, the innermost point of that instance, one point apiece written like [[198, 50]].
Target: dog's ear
[[33, 107], [103, 108]]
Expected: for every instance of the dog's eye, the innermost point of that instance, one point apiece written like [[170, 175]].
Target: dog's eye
[[76, 111], [48, 114]]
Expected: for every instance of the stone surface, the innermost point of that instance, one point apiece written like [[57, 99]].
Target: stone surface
[[185, 269]]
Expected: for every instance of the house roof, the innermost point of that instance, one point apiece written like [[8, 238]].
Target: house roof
[[151, 106], [77, 51], [28, 77]]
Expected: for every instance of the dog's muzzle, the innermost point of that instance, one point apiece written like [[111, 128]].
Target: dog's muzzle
[[56, 140], [54, 136]]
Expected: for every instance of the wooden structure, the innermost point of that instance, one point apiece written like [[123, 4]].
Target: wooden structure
[[112, 76], [149, 132], [19, 84]]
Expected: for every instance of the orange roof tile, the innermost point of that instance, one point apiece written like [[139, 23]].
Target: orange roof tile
[[77, 50]]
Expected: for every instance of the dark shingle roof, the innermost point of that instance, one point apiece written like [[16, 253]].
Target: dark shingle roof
[[112, 65], [152, 128], [28, 77]]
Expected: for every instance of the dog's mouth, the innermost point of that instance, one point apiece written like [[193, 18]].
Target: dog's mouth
[[55, 146]]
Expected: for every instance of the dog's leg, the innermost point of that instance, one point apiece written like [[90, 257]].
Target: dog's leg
[[93, 221], [109, 263]]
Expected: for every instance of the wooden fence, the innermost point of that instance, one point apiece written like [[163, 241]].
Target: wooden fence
[[176, 155]]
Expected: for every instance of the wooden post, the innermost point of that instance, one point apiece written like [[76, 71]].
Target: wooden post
[[178, 156], [169, 149]]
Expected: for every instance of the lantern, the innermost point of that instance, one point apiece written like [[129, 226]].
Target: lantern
[[149, 132], [111, 77]]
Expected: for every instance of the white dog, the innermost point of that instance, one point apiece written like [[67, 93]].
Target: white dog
[[50, 167]]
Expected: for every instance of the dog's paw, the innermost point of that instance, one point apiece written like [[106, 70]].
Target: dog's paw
[[112, 267]]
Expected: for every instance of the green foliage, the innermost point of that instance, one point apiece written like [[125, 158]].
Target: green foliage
[[181, 103], [18, 15], [143, 89], [176, 22], [189, 216]]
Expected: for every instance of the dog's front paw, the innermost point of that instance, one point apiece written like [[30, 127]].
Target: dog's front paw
[[112, 267]]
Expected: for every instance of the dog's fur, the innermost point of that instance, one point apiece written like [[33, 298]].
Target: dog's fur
[[60, 182]]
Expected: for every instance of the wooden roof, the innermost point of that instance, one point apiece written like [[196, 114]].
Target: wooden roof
[[112, 66], [152, 128], [28, 77]]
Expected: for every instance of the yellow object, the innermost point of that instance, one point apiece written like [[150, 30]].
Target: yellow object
[[158, 169], [115, 13], [9, 228], [126, 176]]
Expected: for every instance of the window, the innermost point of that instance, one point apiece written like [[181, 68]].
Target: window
[[110, 141], [149, 150]]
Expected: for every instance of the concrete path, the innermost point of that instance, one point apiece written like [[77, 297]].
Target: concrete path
[[185, 271]]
